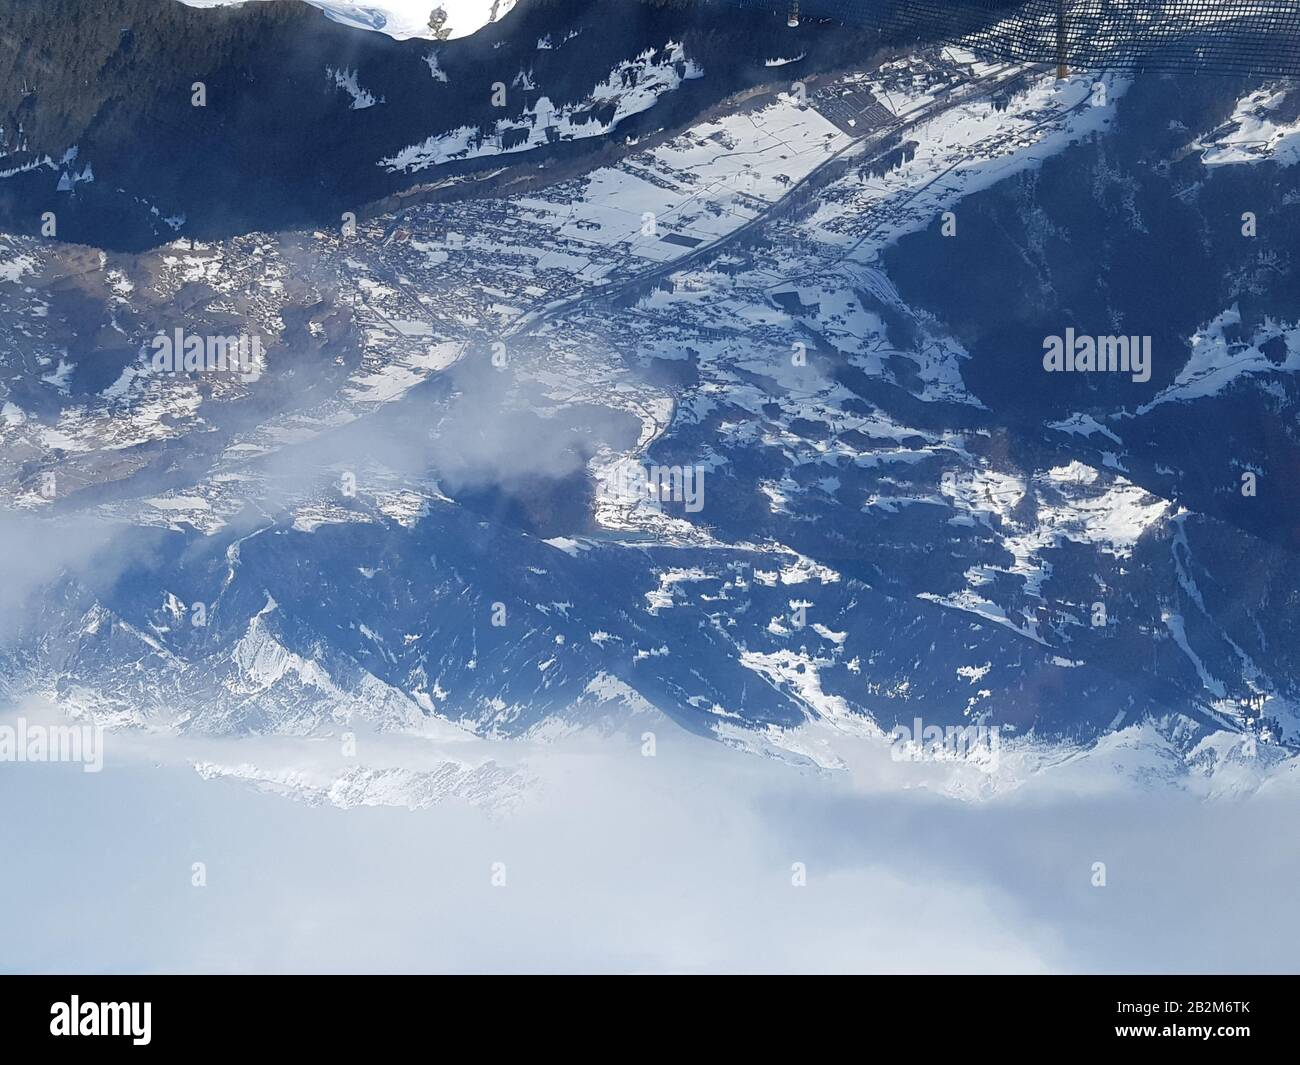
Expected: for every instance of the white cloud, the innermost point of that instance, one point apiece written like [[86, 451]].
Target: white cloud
[[680, 862]]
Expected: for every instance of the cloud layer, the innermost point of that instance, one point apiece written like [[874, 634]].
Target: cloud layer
[[681, 862]]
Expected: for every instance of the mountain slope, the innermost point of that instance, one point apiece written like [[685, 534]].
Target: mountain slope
[[815, 319]]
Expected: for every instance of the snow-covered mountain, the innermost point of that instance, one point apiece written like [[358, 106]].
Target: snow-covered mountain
[[644, 458], [434, 20], [741, 419], [277, 117]]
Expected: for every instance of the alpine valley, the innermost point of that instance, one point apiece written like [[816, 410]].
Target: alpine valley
[[806, 270]]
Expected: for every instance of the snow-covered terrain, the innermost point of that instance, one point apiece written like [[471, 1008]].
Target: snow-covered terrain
[[630, 89], [403, 19], [1254, 132], [649, 497], [744, 260]]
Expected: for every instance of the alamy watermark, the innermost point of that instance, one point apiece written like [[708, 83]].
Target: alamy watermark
[[1085, 354], [28, 741], [978, 743], [182, 352], [121, 1019], [630, 482]]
